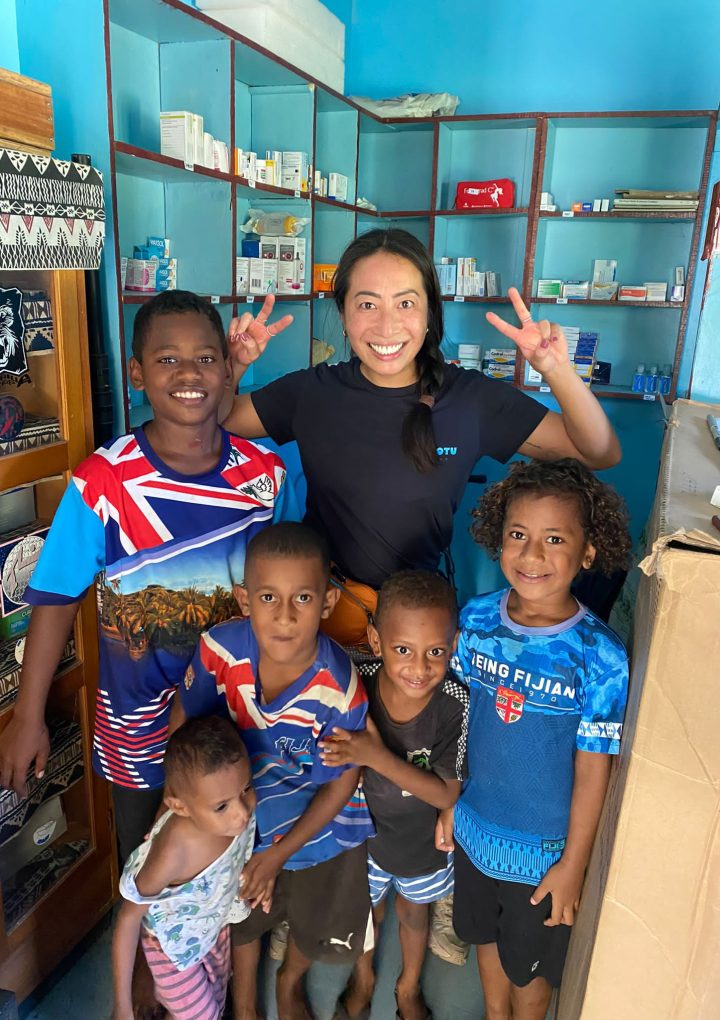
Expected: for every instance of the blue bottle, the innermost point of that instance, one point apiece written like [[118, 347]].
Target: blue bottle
[[665, 380], [652, 380], [638, 383]]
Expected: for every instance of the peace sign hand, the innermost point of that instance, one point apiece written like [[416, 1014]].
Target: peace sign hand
[[248, 336], [541, 343]]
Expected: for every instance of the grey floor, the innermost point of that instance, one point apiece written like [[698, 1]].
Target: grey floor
[[84, 991]]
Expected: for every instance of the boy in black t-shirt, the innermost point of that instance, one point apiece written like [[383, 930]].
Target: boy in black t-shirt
[[413, 753]]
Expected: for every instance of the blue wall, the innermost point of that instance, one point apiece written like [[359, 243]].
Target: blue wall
[[9, 55], [558, 55]]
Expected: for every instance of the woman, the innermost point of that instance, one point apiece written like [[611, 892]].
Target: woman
[[389, 439]]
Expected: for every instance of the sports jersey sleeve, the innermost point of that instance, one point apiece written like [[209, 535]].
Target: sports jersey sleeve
[[447, 759], [460, 662], [605, 696], [72, 556], [199, 691], [276, 404], [286, 503], [353, 718]]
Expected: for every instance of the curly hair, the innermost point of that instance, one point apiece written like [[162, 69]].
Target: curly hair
[[200, 747], [602, 511]]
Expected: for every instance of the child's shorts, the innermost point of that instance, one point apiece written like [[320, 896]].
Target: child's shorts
[[489, 910], [421, 889], [327, 908]]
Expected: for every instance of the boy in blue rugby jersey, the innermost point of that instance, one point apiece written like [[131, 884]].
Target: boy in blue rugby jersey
[[286, 687], [548, 685]]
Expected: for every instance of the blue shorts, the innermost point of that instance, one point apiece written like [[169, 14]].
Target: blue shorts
[[421, 889]]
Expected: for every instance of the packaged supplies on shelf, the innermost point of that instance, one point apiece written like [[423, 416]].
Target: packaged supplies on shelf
[[601, 373], [447, 276], [677, 293], [469, 352], [632, 292], [250, 248], [492, 284], [19, 552], [604, 205], [495, 194], [263, 276], [655, 291], [679, 276], [31, 883], [64, 767], [274, 224], [11, 657], [638, 200], [221, 156], [323, 274], [469, 282], [269, 247], [123, 273], [199, 138], [159, 247], [246, 164], [274, 156], [604, 270], [603, 291], [549, 288], [47, 824], [303, 32], [208, 159], [17, 508], [547, 202], [501, 355], [499, 370], [295, 170], [301, 261], [242, 275], [148, 275], [578, 289], [337, 187], [177, 135], [419, 104]]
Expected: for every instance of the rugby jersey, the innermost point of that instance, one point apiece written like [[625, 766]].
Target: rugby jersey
[[282, 736], [536, 695], [165, 550]]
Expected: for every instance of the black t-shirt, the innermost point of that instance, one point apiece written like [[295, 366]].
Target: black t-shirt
[[378, 512], [436, 740]]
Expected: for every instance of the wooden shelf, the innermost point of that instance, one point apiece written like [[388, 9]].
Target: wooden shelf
[[514, 211], [610, 392], [459, 299], [656, 215], [589, 302], [45, 461]]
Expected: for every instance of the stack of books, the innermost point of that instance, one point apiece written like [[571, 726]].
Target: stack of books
[[637, 200]]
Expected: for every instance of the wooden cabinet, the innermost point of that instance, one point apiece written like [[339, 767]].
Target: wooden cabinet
[[57, 848]]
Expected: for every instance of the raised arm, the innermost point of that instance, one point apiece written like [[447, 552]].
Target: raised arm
[[582, 429], [248, 337]]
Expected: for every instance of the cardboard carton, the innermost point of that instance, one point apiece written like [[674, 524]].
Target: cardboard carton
[[646, 942]]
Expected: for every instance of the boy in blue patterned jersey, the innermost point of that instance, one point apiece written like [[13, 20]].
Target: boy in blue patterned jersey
[[286, 687], [548, 685]]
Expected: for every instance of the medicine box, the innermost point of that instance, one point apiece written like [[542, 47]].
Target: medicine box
[[604, 270], [263, 276], [632, 292], [199, 138], [323, 274], [549, 288], [269, 247], [159, 247], [19, 552], [337, 187], [177, 135], [447, 275], [577, 289], [656, 291], [242, 275], [603, 291], [492, 284], [295, 170]]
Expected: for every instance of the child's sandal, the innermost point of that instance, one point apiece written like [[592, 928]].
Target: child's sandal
[[399, 1016]]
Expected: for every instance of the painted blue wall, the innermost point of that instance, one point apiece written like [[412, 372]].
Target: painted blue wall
[[558, 55], [9, 55]]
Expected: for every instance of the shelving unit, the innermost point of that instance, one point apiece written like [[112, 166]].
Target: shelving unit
[[409, 169], [37, 928]]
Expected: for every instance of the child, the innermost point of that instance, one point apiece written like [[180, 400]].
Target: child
[[548, 684], [161, 517], [286, 687], [181, 886], [413, 756]]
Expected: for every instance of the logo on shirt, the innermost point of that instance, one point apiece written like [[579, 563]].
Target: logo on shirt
[[189, 677], [420, 759], [446, 451], [509, 704], [260, 488]]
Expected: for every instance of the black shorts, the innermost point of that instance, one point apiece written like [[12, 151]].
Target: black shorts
[[135, 812], [327, 908], [489, 910]]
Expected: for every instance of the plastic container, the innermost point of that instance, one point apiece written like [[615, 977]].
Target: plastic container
[[639, 379]]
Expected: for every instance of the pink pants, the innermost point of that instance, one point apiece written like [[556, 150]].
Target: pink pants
[[196, 993]]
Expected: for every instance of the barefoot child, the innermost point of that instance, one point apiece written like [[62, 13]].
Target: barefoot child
[[286, 687], [181, 887], [413, 754], [548, 685]]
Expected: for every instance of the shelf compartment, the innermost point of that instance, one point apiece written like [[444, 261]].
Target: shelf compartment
[[677, 305], [416, 223], [641, 214], [484, 149], [336, 140], [497, 242], [405, 148], [133, 161]]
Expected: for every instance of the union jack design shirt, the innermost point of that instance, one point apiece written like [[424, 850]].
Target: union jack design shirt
[[282, 736], [537, 694], [166, 550]]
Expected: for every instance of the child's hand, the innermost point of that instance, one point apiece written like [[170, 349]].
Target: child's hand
[[444, 831], [257, 880], [248, 336], [564, 883], [360, 747], [541, 343]]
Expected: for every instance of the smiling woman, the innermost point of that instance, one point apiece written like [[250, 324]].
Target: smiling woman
[[389, 439]]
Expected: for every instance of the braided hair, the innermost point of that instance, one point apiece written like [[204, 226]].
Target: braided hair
[[418, 435]]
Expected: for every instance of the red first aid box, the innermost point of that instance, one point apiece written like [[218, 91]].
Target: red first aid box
[[497, 194]]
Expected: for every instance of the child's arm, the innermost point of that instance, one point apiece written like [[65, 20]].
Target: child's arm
[[365, 747], [25, 739], [259, 873], [178, 715], [163, 867], [565, 879], [444, 830]]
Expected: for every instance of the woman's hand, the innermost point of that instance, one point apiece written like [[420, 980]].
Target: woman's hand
[[541, 343], [248, 335]]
